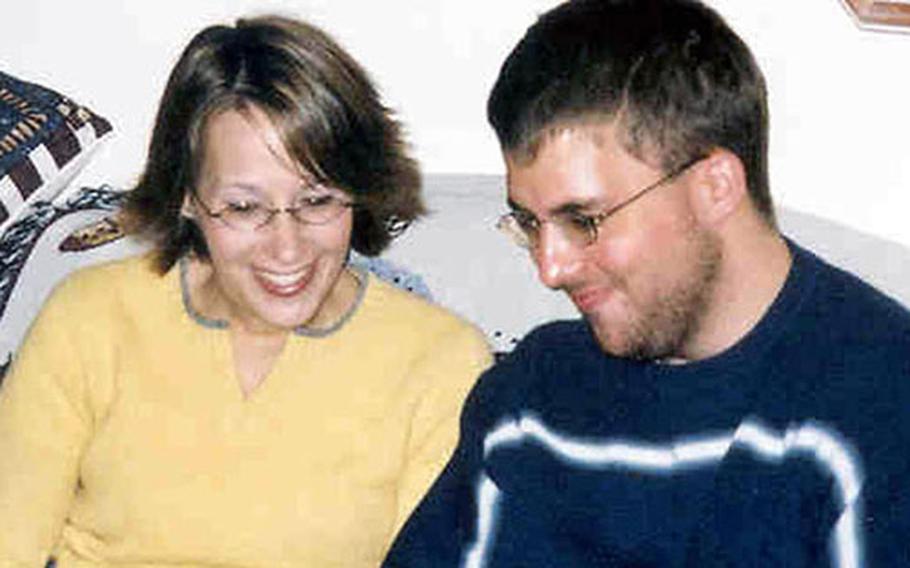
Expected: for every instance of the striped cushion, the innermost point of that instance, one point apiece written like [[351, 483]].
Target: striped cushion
[[45, 139]]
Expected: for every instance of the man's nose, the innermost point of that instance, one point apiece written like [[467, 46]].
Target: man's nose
[[557, 259]]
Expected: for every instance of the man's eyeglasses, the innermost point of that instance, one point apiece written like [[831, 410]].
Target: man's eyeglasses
[[579, 229], [250, 214]]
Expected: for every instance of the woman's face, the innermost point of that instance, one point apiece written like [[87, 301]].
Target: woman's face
[[286, 273]]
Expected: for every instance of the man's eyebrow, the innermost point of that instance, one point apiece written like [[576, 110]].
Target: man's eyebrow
[[571, 207], [515, 206]]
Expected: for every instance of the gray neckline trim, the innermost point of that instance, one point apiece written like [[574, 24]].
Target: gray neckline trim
[[362, 276], [188, 304], [361, 273]]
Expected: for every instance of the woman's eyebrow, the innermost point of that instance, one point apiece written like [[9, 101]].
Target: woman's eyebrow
[[233, 183]]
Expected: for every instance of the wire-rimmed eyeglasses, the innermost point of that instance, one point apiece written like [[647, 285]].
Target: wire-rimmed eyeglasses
[[578, 228], [251, 214]]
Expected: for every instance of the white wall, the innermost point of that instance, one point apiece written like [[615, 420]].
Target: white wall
[[840, 126]]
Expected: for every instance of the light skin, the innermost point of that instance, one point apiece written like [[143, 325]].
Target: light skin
[[673, 276], [266, 282]]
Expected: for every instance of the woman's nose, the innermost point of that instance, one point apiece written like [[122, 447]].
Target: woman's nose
[[286, 237]]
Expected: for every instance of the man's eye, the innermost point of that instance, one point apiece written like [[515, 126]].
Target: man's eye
[[581, 221], [527, 223]]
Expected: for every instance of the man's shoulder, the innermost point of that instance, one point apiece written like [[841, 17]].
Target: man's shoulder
[[557, 335], [846, 328], [539, 364], [845, 299], [555, 345]]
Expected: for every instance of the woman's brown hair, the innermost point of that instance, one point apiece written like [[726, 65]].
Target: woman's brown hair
[[320, 100]]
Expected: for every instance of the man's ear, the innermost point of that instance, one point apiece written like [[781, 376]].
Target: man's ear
[[719, 187]]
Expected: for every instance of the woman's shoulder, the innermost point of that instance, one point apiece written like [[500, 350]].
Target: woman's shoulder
[[134, 275], [399, 303], [91, 304], [396, 309]]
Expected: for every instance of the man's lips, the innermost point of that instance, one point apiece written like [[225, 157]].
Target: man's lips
[[587, 299], [284, 283]]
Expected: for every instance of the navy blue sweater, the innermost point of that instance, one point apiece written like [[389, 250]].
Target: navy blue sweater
[[788, 449]]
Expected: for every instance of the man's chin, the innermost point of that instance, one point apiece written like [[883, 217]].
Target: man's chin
[[609, 341], [625, 346]]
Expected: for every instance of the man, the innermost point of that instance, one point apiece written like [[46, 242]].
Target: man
[[728, 399]]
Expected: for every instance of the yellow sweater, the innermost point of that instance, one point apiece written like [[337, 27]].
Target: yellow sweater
[[125, 439]]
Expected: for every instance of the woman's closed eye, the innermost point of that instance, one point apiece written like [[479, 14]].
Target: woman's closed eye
[[242, 207], [318, 200]]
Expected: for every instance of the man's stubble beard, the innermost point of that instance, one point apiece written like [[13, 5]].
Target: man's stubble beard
[[665, 325]]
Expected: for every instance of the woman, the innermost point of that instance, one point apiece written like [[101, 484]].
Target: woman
[[242, 396]]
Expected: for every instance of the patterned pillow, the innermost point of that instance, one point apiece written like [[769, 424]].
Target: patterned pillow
[[45, 140]]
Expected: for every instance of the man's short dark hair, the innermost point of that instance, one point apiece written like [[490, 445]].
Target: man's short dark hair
[[321, 102], [673, 77]]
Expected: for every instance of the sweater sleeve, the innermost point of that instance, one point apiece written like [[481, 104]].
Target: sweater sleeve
[[44, 426], [449, 522], [448, 369]]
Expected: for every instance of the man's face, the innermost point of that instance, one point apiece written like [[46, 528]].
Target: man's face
[[643, 284]]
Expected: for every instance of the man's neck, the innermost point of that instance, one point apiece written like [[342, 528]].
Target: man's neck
[[754, 266]]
